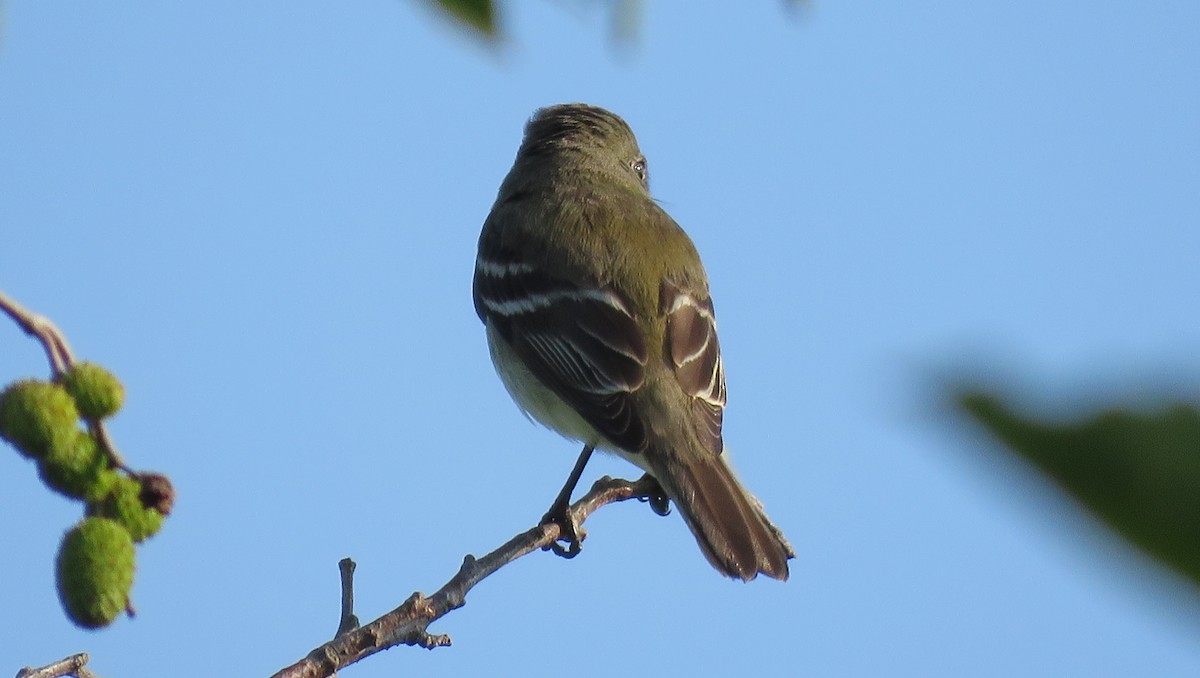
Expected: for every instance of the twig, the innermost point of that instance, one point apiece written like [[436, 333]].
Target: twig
[[38, 326], [407, 624], [348, 621], [71, 666], [58, 352]]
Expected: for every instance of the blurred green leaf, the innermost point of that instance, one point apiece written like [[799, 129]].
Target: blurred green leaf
[[478, 14], [1139, 472]]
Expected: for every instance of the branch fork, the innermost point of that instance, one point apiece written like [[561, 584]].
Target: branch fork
[[408, 623]]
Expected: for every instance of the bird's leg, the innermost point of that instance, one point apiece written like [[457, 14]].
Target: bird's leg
[[659, 502], [571, 532]]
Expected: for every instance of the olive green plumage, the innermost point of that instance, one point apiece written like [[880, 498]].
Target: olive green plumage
[[600, 324]]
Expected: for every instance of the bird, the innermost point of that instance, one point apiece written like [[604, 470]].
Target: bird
[[600, 324]]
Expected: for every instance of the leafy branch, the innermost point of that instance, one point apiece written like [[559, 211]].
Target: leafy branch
[[95, 566], [58, 352]]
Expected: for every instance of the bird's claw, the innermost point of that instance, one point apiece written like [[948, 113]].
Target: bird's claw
[[659, 502], [570, 533]]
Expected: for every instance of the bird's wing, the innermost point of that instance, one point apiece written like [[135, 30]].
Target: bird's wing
[[695, 355], [580, 339]]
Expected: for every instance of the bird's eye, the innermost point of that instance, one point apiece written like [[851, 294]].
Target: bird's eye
[[639, 167]]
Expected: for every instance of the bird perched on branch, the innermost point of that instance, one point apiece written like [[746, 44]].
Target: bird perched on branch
[[600, 324]]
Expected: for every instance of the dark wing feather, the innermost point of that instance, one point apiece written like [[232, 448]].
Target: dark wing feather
[[582, 342], [695, 355]]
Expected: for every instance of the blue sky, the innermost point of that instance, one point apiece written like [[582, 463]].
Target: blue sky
[[264, 217]]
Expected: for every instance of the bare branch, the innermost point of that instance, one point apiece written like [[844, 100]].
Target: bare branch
[[39, 327], [407, 624], [71, 666], [348, 622]]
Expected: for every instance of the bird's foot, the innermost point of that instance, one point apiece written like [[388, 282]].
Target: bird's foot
[[570, 533], [659, 502]]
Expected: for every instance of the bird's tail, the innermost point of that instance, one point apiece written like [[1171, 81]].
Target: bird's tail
[[730, 525]]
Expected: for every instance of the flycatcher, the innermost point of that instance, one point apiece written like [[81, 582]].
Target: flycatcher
[[600, 323]]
